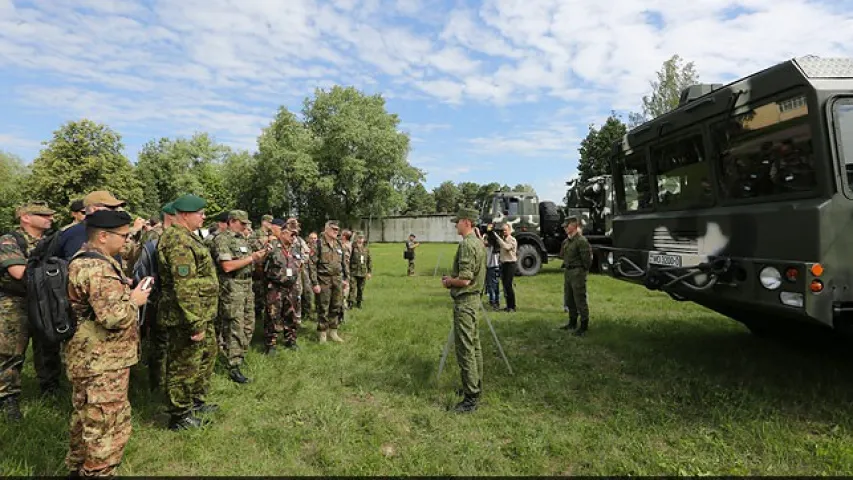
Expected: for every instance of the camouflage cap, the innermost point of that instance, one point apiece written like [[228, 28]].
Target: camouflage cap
[[169, 209], [189, 203], [267, 218], [465, 213], [33, 208], [240, 215], [331, 223], [102, 197], [570, 220]]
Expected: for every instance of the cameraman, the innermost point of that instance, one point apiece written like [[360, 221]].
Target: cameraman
[[508, 258], [493, 272]]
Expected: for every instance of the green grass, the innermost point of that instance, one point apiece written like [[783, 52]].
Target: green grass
[[657, 388]]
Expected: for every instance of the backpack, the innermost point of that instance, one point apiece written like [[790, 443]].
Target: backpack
[[46, 280], [147, 265]]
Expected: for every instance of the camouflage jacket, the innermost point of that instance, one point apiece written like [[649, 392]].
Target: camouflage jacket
[[576, 252], [188, 280], [327, 260], [282, 267], [469, 264], [229, 246], [152, 234], [360, 262], [107, 337], [259, 239], [209, 239], [11, 255]]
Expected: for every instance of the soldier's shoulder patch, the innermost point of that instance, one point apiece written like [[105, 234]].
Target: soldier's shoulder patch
[[183, 270]]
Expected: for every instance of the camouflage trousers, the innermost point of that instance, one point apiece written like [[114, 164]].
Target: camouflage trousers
[[469, 355], [329, 303], [281, 315], [574, 293], [411, 267], [258, 288], [306, 299], [14, 339], [100, 423], [356, 291], [237, 319], [189, 367]]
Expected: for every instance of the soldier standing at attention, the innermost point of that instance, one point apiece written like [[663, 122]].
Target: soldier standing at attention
[[361, 269], [282, 272], [104, 347], [329, 273], [258, 240], [411, 245], [156, 332], [303, 253], [465, 283], [34, 219], [577, 259], [236, 260], [187, 310]]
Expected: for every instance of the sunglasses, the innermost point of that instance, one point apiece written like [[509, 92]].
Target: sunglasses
[[123, 235]]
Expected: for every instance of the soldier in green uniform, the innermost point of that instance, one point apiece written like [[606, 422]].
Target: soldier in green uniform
[[466, 283], [304, 290], [577, 259], [235, 261], [361, 269], [221, 220], [258, 240], [99, 355], [411, 245], [187, 309], [34, 219], [329, 272]]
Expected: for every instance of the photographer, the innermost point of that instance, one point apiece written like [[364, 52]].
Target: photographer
[[508, 258], [493, 272]]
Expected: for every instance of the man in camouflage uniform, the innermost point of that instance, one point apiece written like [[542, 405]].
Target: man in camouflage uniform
[[411, 245], [258, 240], [157, 333], [34, 219], [329, 272], [466, 284], [99, 355], [282, 271], [187, 309], [221, 225], [303, 288], [152, 230], [577, 259], [235, 261], [361, 269]]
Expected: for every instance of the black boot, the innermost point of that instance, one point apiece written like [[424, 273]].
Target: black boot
[[358, 305], [573, 324], [582, 331], [270, 350], [202, 408], [467, 405], [291, 346], [184, 422], [237, 376], [13, 410]]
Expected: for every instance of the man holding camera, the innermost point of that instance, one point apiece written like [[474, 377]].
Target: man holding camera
[[466, 284]]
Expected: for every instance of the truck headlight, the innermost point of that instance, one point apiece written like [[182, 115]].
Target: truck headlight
[[770, 278], [791, 299], [610, 258]]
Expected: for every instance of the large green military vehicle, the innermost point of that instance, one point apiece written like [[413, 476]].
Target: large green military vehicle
[[741, 199]]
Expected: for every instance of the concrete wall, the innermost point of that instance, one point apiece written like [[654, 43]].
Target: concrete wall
[[427, 228]]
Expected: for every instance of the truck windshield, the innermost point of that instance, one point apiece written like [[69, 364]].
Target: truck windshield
[[844, 138]]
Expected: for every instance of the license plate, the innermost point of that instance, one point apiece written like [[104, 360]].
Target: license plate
[[664, 260]]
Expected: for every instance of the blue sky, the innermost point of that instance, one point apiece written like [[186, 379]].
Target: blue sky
[[498, 90]]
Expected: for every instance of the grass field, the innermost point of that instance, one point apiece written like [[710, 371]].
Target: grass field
[[656, 388]]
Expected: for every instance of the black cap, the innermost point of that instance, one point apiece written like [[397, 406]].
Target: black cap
[[279, 222], [221, 217], [77, 205], [108, 219]]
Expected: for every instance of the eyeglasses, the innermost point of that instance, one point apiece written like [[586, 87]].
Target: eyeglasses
[[123, 235]]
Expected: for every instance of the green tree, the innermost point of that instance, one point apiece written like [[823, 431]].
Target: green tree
[[13, 174], [524, 187], [485, 193], [468, 193], [672, 78], [361, 155], [595, 150], [83, 156], [419, 201], [447, 197]]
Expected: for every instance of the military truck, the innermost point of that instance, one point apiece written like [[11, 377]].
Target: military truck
[[592, 202], [537, 226], [741, 199]]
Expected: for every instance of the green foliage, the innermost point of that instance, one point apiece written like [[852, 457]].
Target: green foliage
[[419, 201], [673, 77], [524, 187], [447, 197], [83, 156], [13, 174], [595, 150], [468, 192]]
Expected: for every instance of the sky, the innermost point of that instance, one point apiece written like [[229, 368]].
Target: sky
[[493, 90]]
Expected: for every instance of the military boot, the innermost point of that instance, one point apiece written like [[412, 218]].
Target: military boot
[[237, 376], [202, 408], [322, 337], [270, 350], [184, 422], [333, 334], [291, 346], [573, 324], [582, 331], [467, 405], [13, 410]]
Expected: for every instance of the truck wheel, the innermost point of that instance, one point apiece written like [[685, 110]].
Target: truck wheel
[[529, 261]]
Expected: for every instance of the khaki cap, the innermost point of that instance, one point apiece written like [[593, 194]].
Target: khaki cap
[[102, 197], [33, 208]]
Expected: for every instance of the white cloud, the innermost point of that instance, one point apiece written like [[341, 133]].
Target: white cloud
[[555, 140], [11, 140]]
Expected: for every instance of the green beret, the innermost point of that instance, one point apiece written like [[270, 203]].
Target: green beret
[[169, 209], [108, 219], [189, 203], [465, 214], [240, 215]]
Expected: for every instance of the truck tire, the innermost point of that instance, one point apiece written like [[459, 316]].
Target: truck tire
[[529, 262]]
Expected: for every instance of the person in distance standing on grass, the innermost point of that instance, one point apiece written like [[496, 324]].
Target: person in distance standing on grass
[[411, 245], [361, 269], [508, 247], [466, 284], [104, 347], [493, 273], [577, 260], [302, 252], [346, 243]]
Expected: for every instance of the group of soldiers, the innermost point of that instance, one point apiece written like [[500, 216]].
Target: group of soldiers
[[194, 299]]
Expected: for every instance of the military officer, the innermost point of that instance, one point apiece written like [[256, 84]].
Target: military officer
[[304, 288], [235, 261], [577, 259], [104, 347], [329, 272], [187, 309], [34, 219], [346, 243], [466, 284], [258, 240], [361, 269], [282, 273], [78, 213]]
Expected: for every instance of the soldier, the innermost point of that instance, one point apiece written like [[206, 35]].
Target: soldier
[[577, 259], [152, 230], [78, 213], [361, 270], [411, 245], [258, 240], [346, 243], [187, 310], [304, 287], [157, 332], [34, 219], [221, 225], [235, 261], [329, 272], [466, 284], [282, 271], [104, 347]]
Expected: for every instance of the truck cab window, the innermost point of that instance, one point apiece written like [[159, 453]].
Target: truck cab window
[[683, 176], [844, 136], [636, 193]]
